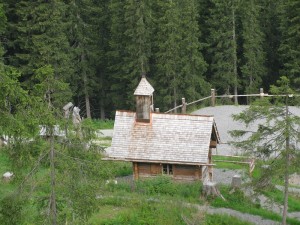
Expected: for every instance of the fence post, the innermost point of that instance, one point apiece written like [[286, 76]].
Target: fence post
[[213, 97], [183, 110], [261, 92]]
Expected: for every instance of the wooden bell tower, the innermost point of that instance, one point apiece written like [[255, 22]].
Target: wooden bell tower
[[144, 100]]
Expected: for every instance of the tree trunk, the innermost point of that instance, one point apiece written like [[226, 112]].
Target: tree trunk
[[86, 93], [53, 215], [287, 164], [234, 58], [87, 104], [102, 109]]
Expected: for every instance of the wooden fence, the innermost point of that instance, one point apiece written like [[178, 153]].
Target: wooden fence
[[243, 160], [213, 97]]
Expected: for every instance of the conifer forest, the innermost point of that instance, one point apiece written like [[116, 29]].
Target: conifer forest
[[58, 54], [96, 50]]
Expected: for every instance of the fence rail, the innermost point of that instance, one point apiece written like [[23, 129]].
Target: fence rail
[[246, 160], [213, 97]]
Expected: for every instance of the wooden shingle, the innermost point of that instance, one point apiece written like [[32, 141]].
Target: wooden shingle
[[144, 88], [167, 138]]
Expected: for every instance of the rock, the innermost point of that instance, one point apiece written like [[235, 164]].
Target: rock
[[7, 176], [294, 179]]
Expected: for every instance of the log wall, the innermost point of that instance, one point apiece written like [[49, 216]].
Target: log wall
[[180, 172]]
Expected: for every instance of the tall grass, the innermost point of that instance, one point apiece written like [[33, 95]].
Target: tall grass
[[139, 212], [160, 186]]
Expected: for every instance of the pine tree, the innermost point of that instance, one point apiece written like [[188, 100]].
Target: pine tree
[[252, 69], [138, 23], [84, 35], [271, 30], [168, 44], [276, 138], [116, 54], [41, 39], [192, 64], [13, 98], [130, 47], [101, 100], [289, 44], [3, 21], [222, 42]]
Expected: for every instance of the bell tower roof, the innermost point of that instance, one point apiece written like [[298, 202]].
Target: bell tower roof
[[144, 88]]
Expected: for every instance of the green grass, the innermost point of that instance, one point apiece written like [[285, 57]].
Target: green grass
[[158, 187], [238, 201], [237, 159], [104, 138], [277, 196], [103, 124], [106, 213], [138, 211], [103, 141], [230, 165], [223, 220], [152, 201]]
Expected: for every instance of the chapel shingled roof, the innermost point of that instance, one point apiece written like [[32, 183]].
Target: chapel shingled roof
[[144, 88], [167, 138]]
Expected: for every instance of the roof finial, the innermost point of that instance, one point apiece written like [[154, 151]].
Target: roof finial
[[143, 75]]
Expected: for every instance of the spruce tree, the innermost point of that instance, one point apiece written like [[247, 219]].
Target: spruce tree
[[276, 138], [289, 44], [222, 41], [168, 44], [138, 24], [253, 59], [130, 47], [84, 35], [192, 64], [13, 98], [41, 39], [116, 54], [270, 22]]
